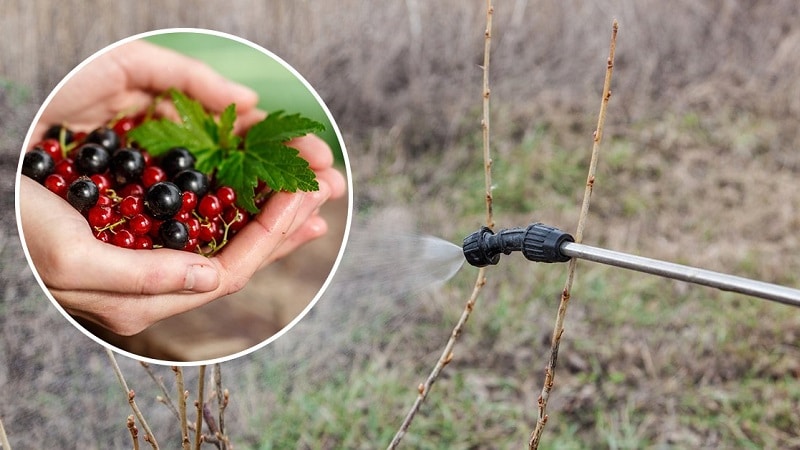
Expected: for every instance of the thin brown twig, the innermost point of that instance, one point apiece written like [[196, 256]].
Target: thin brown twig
[[222, 402], [198, 404], [159, 381], [558, 329], [131, 424], [182, 407], [148, 434], [3, 437], [447, 354]]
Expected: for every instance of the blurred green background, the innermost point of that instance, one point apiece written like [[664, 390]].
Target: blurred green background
[[278, 88]]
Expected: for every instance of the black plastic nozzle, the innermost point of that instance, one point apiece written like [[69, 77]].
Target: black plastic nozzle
[[537, 242]]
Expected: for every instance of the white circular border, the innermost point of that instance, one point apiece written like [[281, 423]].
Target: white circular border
[[321, 103]]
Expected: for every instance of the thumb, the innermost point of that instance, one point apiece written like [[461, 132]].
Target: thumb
[[106, 268]]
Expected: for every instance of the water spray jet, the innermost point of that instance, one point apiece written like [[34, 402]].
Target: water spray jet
[[542, 243]]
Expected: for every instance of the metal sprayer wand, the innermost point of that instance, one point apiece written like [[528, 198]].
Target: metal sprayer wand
[[542, 243]]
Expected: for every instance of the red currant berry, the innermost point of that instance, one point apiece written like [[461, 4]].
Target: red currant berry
[[209, 206], [148, 158], [66, 168], [191, 245], [140, 224], [153, 175], [123, 238], [57, 184], [154, 226], [124, 125], [102, 181], [193, 226], [79, 136], [183, 216], [104, 236], [104, 200], [143, 243], [100, 216], [52, 148], [131, 206], [235, 218], [226, 195], [189, 201], [208, 232], [133, 189]]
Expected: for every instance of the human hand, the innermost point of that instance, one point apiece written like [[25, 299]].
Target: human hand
[[126, 290], [128, 78]]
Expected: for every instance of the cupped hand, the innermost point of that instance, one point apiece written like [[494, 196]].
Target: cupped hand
[[128, 290], [126, 80]]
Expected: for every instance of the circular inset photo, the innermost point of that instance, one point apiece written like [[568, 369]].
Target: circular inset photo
[[184, 196]]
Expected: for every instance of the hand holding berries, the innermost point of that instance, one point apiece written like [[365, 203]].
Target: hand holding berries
[[132, 200]]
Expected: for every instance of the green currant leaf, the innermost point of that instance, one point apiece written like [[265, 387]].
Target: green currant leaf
[[236, 171], [158, 136], [227, 139], [194, 118], [282, 168], [265, 156], [278, 127]]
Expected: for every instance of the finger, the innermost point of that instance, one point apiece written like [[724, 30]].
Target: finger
[[158, 69], [313, 149], [69, 256], [97, 266], [334, 179], [127, 314], [314, 228], [283, 214]]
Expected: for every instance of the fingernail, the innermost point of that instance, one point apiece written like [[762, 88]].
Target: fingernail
[[201, 279]]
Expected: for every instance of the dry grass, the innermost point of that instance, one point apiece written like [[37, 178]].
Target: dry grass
[[700, 167]]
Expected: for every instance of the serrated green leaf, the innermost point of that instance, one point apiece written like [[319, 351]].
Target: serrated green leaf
[[158, 136], [216, 148], [194, 118], [226, 138], [236, 172], [208, 160], [278, 127], [282, 168]]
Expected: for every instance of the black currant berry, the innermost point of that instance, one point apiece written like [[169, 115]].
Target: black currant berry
[[192, 180], [54, 132], [174, 234], [163, 200], [177, 159], [92, 158], [105, 137], [126, 165], [38, 165], [82, 194]]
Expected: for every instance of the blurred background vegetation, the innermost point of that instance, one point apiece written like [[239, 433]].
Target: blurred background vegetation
[[699, 165], [279, 87]]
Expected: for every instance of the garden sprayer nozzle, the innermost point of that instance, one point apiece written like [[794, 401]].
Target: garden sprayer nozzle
[[542, 243], [537, 242]]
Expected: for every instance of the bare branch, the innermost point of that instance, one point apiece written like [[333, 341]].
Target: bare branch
[[131, 424], [447, 354], [3, 438], [182, 407], [198, 428], [148, 434], [159, 381], [558, 329]]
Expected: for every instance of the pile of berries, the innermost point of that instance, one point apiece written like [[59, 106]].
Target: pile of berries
[[130, 198]]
